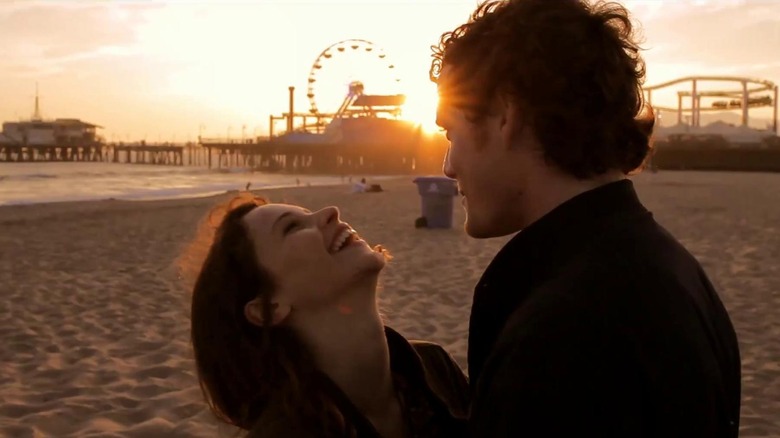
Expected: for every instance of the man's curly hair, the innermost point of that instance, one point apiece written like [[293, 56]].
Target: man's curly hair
[[573, 69]]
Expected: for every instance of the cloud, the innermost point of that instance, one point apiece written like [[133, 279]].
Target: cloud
[[719, 35], [39, 38]]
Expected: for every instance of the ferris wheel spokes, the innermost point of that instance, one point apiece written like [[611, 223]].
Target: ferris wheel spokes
[[327, 56]]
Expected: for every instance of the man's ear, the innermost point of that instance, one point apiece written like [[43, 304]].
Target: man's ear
[[253, 312], [512, 123]]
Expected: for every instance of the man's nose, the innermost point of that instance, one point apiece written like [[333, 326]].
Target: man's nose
[[447, 167]]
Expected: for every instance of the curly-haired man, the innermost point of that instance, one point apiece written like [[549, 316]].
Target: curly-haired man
[[593, 320]]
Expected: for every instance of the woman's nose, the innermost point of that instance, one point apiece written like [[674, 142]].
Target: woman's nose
[[328, 215]]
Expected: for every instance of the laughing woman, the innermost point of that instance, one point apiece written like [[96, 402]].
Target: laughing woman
[[289, 342]]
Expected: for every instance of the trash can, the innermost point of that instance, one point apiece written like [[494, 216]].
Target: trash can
[[436, 194]]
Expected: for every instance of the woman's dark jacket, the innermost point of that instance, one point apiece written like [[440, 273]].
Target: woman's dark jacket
[[435, 392]]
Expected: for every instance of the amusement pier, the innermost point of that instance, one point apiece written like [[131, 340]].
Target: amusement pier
[[366, 134]]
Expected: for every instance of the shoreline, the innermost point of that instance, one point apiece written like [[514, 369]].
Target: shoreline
[[21, 184], [77, 207], [198, 194], [181, 193]]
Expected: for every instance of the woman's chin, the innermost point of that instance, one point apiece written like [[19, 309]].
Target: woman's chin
[[380, 259]]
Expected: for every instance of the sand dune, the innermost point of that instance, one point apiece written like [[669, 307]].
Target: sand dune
[[95, 325]]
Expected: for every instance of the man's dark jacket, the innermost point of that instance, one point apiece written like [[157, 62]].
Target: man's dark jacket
[[595, 322]]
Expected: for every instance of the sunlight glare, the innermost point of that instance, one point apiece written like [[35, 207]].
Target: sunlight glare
[[420, 107]]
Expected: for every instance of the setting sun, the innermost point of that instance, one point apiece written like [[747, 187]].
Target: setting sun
[[420, 107]]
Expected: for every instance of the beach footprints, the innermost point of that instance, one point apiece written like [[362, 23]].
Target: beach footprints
[[90, 323]]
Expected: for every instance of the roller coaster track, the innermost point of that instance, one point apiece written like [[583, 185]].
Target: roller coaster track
[[740, 98]]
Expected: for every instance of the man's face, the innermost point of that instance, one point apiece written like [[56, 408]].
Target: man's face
[[488, 160]]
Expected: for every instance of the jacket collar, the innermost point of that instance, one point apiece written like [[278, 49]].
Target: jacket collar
[[404, 362]]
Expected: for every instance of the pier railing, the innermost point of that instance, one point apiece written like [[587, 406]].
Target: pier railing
[[168, 154], [17, 152], [408, 157]]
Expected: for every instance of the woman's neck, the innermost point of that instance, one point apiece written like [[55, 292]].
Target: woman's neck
[[356, 357], [350, 347]]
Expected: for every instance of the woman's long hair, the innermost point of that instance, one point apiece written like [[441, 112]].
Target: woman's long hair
[[244, 369]]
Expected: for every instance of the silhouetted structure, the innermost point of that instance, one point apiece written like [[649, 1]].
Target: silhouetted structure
[[49, 140], [743, 98], [719, 145], [168, 155], [365, 134], [714, 152]]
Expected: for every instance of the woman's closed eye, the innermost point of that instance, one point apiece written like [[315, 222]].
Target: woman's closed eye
[[291, 226]]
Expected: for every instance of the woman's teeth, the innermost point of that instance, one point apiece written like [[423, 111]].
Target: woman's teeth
[[342, 239]]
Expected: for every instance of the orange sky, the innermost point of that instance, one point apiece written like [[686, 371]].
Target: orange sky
[[160, 70]]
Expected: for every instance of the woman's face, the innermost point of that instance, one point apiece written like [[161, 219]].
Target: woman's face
[[313, 257]]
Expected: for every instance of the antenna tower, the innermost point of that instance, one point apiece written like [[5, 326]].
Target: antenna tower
[[37, 114]]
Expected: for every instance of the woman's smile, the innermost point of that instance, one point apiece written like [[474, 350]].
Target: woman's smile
[[344, 236]]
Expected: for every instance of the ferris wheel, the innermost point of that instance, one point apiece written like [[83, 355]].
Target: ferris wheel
[[342, 65]]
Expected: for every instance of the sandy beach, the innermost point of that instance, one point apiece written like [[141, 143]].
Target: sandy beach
[[95, 329]]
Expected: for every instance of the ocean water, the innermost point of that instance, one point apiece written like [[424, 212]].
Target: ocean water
[[31, 183]]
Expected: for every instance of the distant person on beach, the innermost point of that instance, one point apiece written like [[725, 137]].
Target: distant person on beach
[[288, 339], [359, 187], [592, 320]]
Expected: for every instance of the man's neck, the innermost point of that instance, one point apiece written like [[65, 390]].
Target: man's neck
[[554, 189]]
